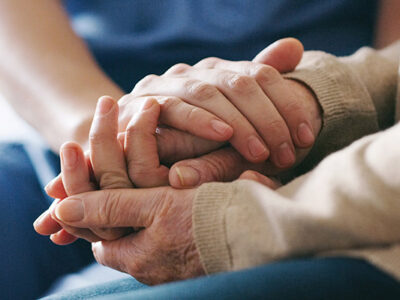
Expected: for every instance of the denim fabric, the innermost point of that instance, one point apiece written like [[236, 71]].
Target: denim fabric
[[311, 279], [29, 263]]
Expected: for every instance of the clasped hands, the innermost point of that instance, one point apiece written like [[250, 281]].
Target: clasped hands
[[209, 122]]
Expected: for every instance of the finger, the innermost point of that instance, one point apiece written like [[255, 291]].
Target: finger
[[180, 115], [174, 145], [141, 148], [45, 225], [245, 93], [55, 188], [68, 235], [245, 138], [222, 165], [284, 55], [114, 208], [74, 170], [129, 254], [119, 254], [288, 100], [107, 157], [106, 154], [62, 238], [255, 176], [76, 180]]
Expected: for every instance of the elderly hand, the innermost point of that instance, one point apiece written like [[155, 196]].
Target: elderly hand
[[162, 250]]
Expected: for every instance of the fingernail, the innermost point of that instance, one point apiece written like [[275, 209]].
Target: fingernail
[[149, 103], [305, 134], [69, 157], [70, 210], [188, 176], [220, 127], [104, 105], [256, 148], [285, 155]]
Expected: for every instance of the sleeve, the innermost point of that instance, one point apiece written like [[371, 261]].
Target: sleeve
[[356, 94], [350, 200]]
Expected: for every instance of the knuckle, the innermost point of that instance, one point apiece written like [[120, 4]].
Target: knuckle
[[292, 107], [139, 173], [266, 74], [210, 169], [124, 100], [236, 119], [208, 62], [97, 137], [215, 169], [133, 130], [113, 180], [200, 90], [107, 210], [145, 83], [178, 69], [169, 103], [192, 114], [277, 126], [241, 84]]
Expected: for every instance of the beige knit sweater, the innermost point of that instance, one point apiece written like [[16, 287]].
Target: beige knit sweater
[[348, 205]]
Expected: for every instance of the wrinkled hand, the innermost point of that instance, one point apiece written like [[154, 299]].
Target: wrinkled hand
[[163, 250]]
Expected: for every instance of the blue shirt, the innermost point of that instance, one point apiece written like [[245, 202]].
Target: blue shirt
[[133, 38]]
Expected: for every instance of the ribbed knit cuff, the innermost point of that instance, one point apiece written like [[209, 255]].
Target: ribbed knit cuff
[[209, 209], [347, 108]]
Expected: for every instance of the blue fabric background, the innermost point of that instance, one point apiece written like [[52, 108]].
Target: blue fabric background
[[133, 38]]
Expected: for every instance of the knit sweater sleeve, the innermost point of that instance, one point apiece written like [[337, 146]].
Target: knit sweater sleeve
[[351, 198], [356, 94]]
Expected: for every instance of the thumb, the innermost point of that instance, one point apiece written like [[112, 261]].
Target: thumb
[[111, 208], [284, 55], [222, 165], [255, 176]]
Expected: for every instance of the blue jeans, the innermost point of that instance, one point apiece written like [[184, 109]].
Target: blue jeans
[[323, 278], [29, 263]]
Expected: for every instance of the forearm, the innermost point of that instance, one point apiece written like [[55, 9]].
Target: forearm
[[349, 201], [46, 72]]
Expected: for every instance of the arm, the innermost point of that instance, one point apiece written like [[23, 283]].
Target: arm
[[47, 72], [349, 201]]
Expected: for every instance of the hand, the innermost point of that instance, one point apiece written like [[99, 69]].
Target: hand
[[163, 250], [225, 164], [107, 167], [274, 117]]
